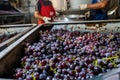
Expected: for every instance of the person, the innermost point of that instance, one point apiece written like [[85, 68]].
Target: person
[[97, 12], [44, 11]]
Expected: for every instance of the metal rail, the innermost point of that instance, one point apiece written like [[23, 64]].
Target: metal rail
[[84, 22], [15, 50], [6, 43]]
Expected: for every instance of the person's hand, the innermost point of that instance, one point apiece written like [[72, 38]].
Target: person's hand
[[87, 14], [83, 6], [46, 19], [57, 14], [112, 11]]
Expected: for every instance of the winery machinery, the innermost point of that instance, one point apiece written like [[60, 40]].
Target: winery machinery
[[10, 33], [9, 14], [11, 55], [68, 8]]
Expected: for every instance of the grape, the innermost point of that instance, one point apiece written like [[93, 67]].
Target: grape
[[65, 55]]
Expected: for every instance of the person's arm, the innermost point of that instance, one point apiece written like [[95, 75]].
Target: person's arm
[[37, 14], [37, 10], [98, 5]]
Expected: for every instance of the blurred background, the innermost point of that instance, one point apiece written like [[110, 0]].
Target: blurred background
[[23, 10]]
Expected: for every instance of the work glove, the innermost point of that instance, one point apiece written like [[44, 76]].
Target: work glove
[[87, 14], [57, 14], [112, 11], [46, 19], [83, 6]]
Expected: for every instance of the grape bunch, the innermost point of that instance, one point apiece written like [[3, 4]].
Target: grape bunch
[[65, 55]]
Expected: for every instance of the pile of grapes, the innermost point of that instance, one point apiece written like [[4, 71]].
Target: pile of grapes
[[65, 55]]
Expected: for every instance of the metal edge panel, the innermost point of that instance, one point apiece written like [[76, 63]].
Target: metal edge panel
[[111, 73], [9, 48], [17, 25], [15, 46], [84, 22], [11, 40], [12, 54]]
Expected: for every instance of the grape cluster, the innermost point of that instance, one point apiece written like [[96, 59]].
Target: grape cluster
[[65, 55]]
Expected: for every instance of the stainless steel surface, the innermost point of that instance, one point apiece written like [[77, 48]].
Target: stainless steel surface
[[70, 17], [17, 25], [75, 16], [112, 73], [6, 79], [16, 49], [62, 18], [86, 22], [7, 30], [10, 14]]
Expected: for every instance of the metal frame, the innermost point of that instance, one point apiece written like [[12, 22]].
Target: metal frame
[[15, 50], [6, 43]]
